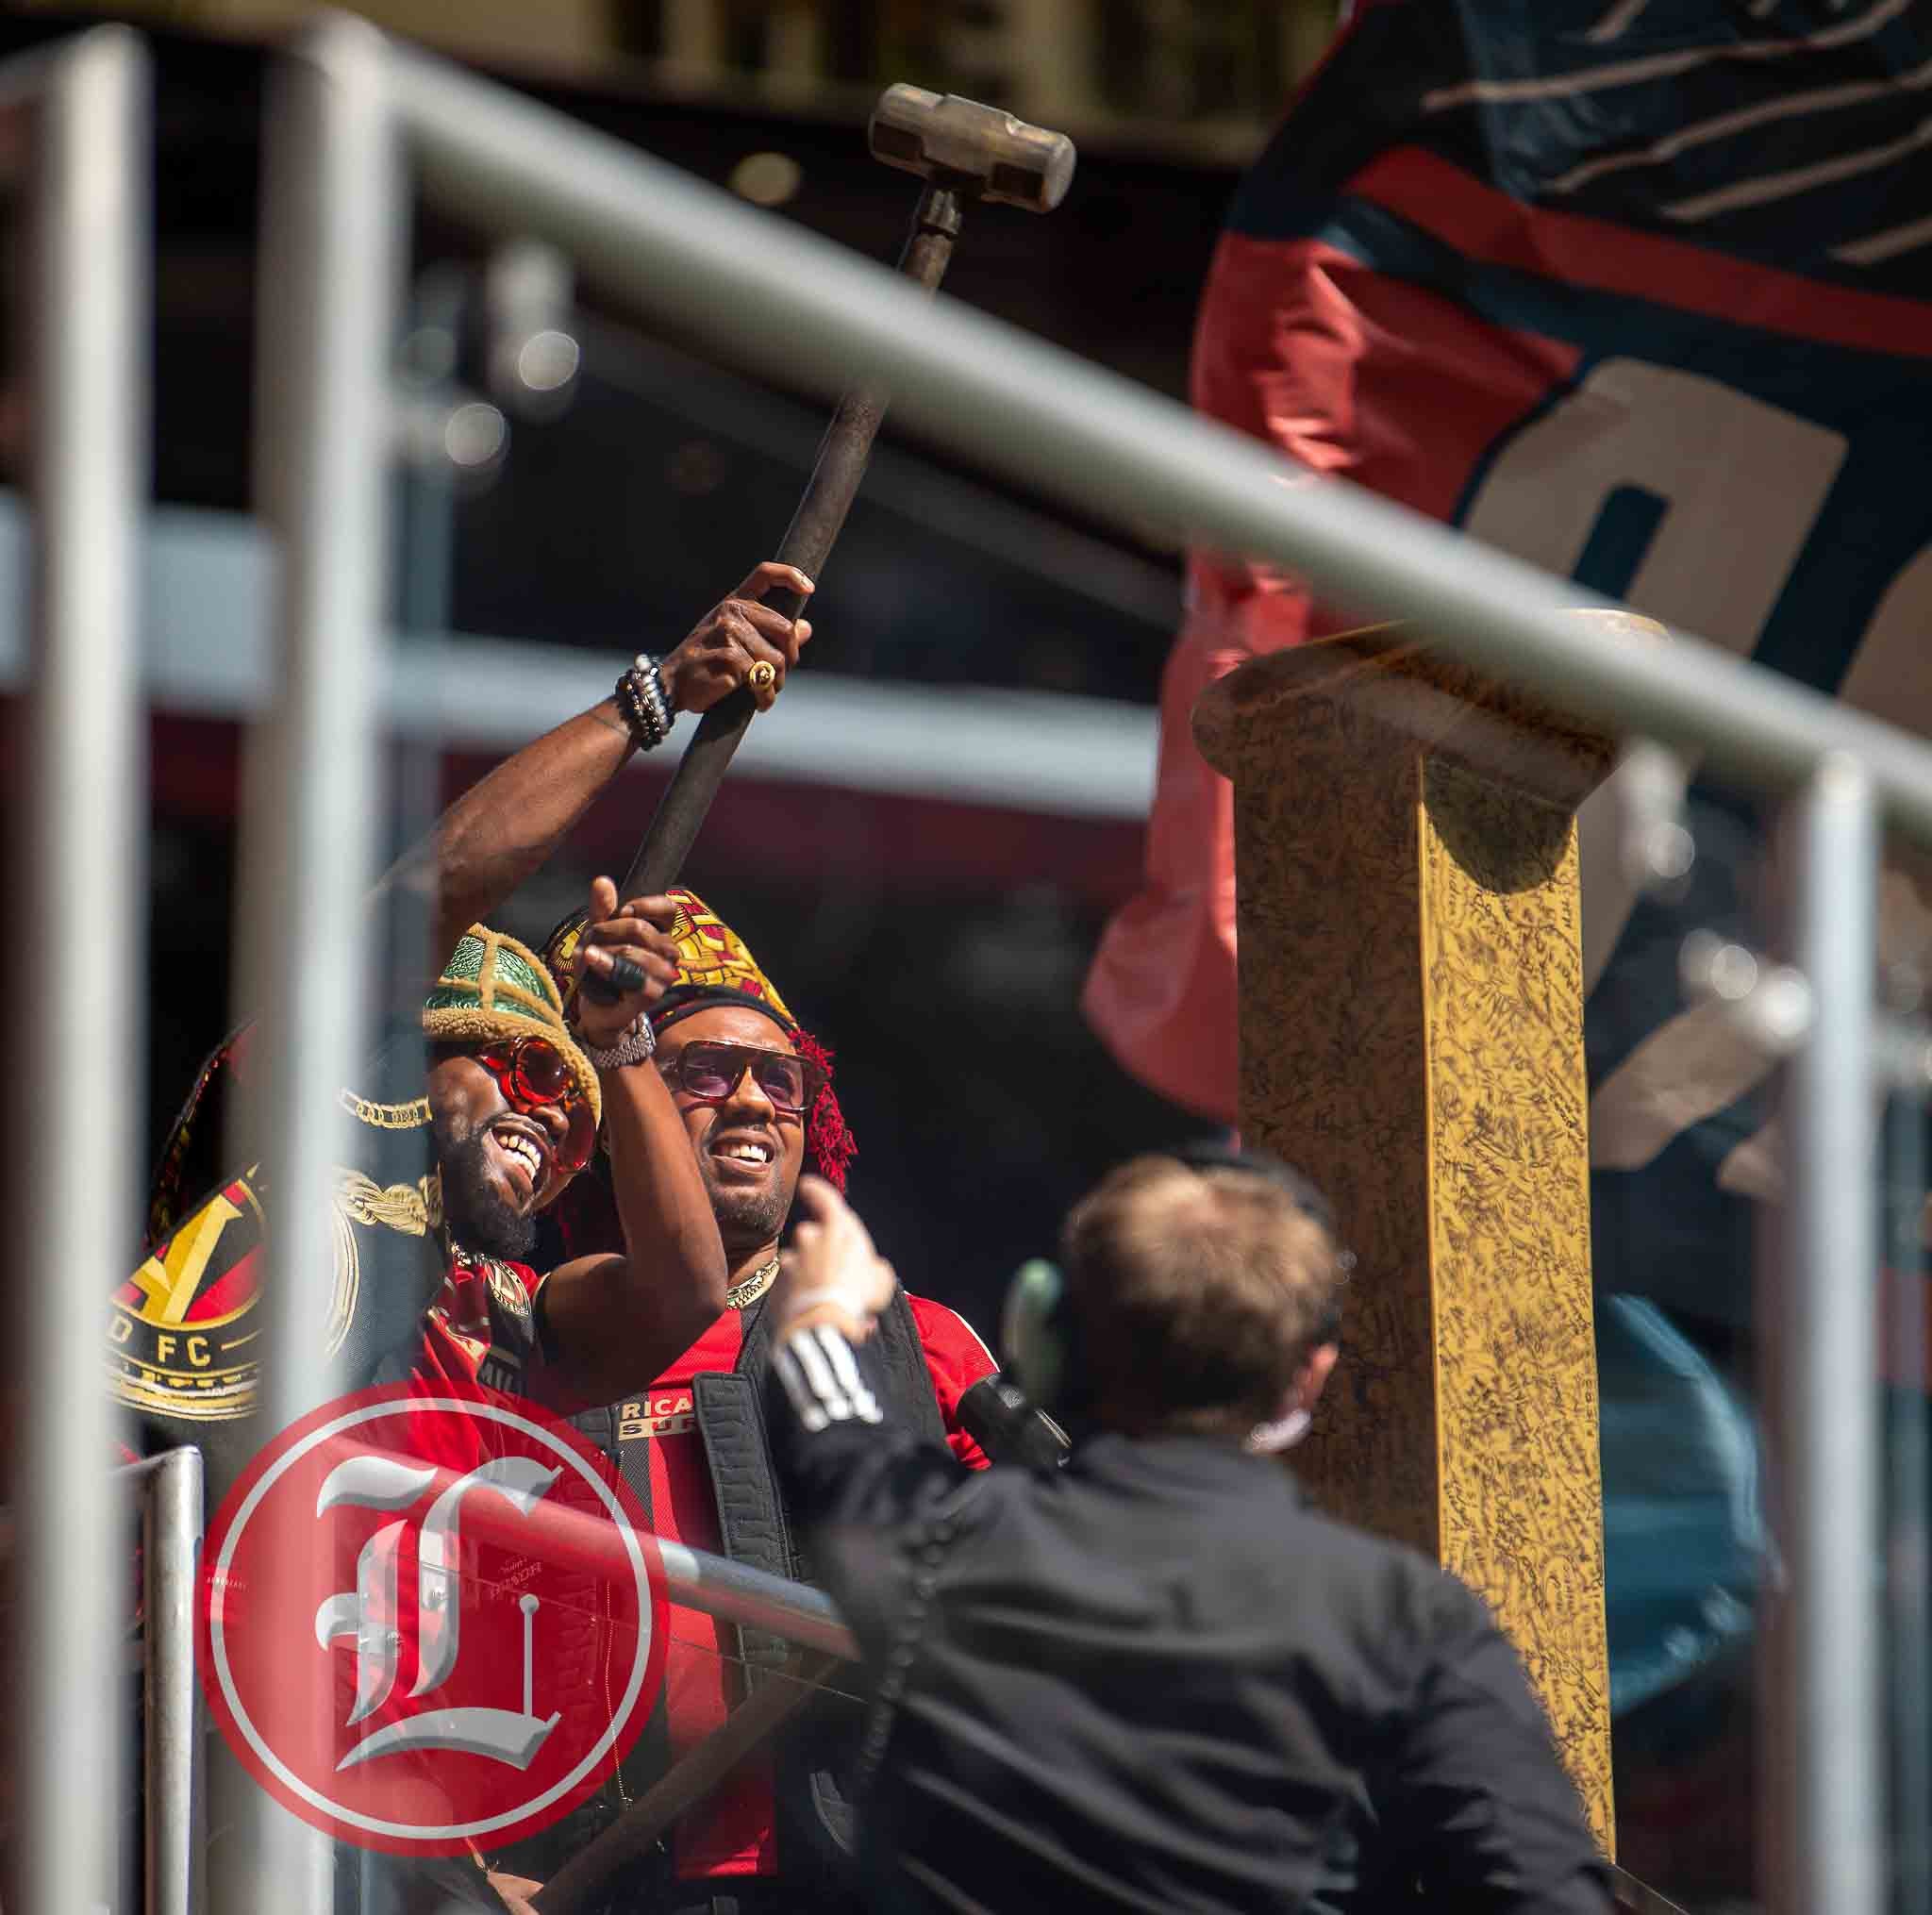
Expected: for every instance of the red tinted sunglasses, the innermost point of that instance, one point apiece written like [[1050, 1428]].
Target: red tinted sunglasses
[[533, 1074], [709, 1072]]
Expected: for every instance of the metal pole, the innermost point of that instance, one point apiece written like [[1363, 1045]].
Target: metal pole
[[1824, 1796], [175, 1805], [1907, 1559], [80, 1089], [739, 1593], [696, 1578], [332, 227], [676, 248]]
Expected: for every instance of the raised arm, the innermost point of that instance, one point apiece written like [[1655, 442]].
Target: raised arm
[[845, 1462], [507, 824], [853, 1479], [613, 1319]]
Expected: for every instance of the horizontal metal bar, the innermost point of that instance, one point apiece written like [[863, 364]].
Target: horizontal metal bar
[[738, 1595], [811, 311], [910, 487], [206, 592], [592, 1545], [693, 1578]]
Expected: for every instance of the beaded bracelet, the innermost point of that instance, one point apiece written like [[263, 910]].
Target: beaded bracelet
[[632, 1047], [640, 698]]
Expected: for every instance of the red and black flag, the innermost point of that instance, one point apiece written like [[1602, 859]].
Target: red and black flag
[[1640, 291]]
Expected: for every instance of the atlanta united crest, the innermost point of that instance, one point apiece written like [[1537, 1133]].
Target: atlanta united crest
[[432, 1619], [181, 1329]]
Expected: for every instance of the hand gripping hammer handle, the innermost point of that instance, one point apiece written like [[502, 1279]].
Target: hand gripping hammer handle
[[808, 540], [963, 151], [807, 543]]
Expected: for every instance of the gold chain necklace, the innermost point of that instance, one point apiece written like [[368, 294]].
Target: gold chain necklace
[[753, 1288]]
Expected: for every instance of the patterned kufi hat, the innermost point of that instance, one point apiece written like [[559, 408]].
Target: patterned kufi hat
[[715, 967], [494, 990]]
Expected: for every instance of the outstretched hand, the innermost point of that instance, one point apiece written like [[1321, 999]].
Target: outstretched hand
[[515, 1892], [733, 636], [640, 931], [830, 1273]]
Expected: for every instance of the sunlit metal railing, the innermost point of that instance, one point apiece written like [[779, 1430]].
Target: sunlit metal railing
[[173, 1808], [78, 113], [805, 310]]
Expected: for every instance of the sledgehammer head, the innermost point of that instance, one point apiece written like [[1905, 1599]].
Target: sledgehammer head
[[975, 149]]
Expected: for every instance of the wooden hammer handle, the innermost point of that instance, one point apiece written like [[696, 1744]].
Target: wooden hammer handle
[[578, 1886], [807, 543]]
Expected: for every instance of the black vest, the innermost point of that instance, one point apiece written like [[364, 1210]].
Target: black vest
[[816, 1750]]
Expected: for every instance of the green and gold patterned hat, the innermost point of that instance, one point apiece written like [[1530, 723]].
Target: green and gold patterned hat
[[493, 990]]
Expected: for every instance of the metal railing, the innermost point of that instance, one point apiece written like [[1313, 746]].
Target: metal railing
[[676, 250], [347, 110], [80, 114], [673, 248], [173, 1805], [1824, 1777], [735, 1593]]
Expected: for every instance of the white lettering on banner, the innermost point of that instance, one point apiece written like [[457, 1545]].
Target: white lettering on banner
[[1889, 677], [1686, 1070], [1741, 483]]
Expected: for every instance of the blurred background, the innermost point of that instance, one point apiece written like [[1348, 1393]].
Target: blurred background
[[926, 892], [923, 844]]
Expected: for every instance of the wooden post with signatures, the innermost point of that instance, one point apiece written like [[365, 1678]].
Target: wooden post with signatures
[[1411, 1006]]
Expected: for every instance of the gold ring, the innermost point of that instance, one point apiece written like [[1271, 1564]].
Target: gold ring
[[762, 676]]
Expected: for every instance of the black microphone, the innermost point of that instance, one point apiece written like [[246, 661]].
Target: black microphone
[[1008, 1428], [626, 974]]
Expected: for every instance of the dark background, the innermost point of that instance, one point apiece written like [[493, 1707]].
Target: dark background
[[937, 947]]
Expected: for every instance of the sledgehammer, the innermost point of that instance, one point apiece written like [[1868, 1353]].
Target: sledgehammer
[[964, 152]]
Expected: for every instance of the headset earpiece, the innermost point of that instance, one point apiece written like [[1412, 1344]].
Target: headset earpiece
[[1041, 1336], [1032, 1331], [1040, 1331]]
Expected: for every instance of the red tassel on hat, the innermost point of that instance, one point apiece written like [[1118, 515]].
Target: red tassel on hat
[[831, 1144]]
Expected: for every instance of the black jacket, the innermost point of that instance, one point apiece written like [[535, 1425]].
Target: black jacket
[[816, 1751], [1159, 1680]]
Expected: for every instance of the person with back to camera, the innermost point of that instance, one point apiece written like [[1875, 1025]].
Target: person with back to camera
[[1156, 1679]]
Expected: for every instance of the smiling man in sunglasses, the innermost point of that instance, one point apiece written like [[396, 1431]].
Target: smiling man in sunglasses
[[514, 1102], [184, 1337], [754, 1096]]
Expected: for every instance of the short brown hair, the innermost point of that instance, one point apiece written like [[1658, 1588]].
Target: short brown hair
[[1197, 1294]]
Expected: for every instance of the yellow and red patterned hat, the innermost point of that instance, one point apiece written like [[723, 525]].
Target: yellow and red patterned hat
[[715, 966]]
